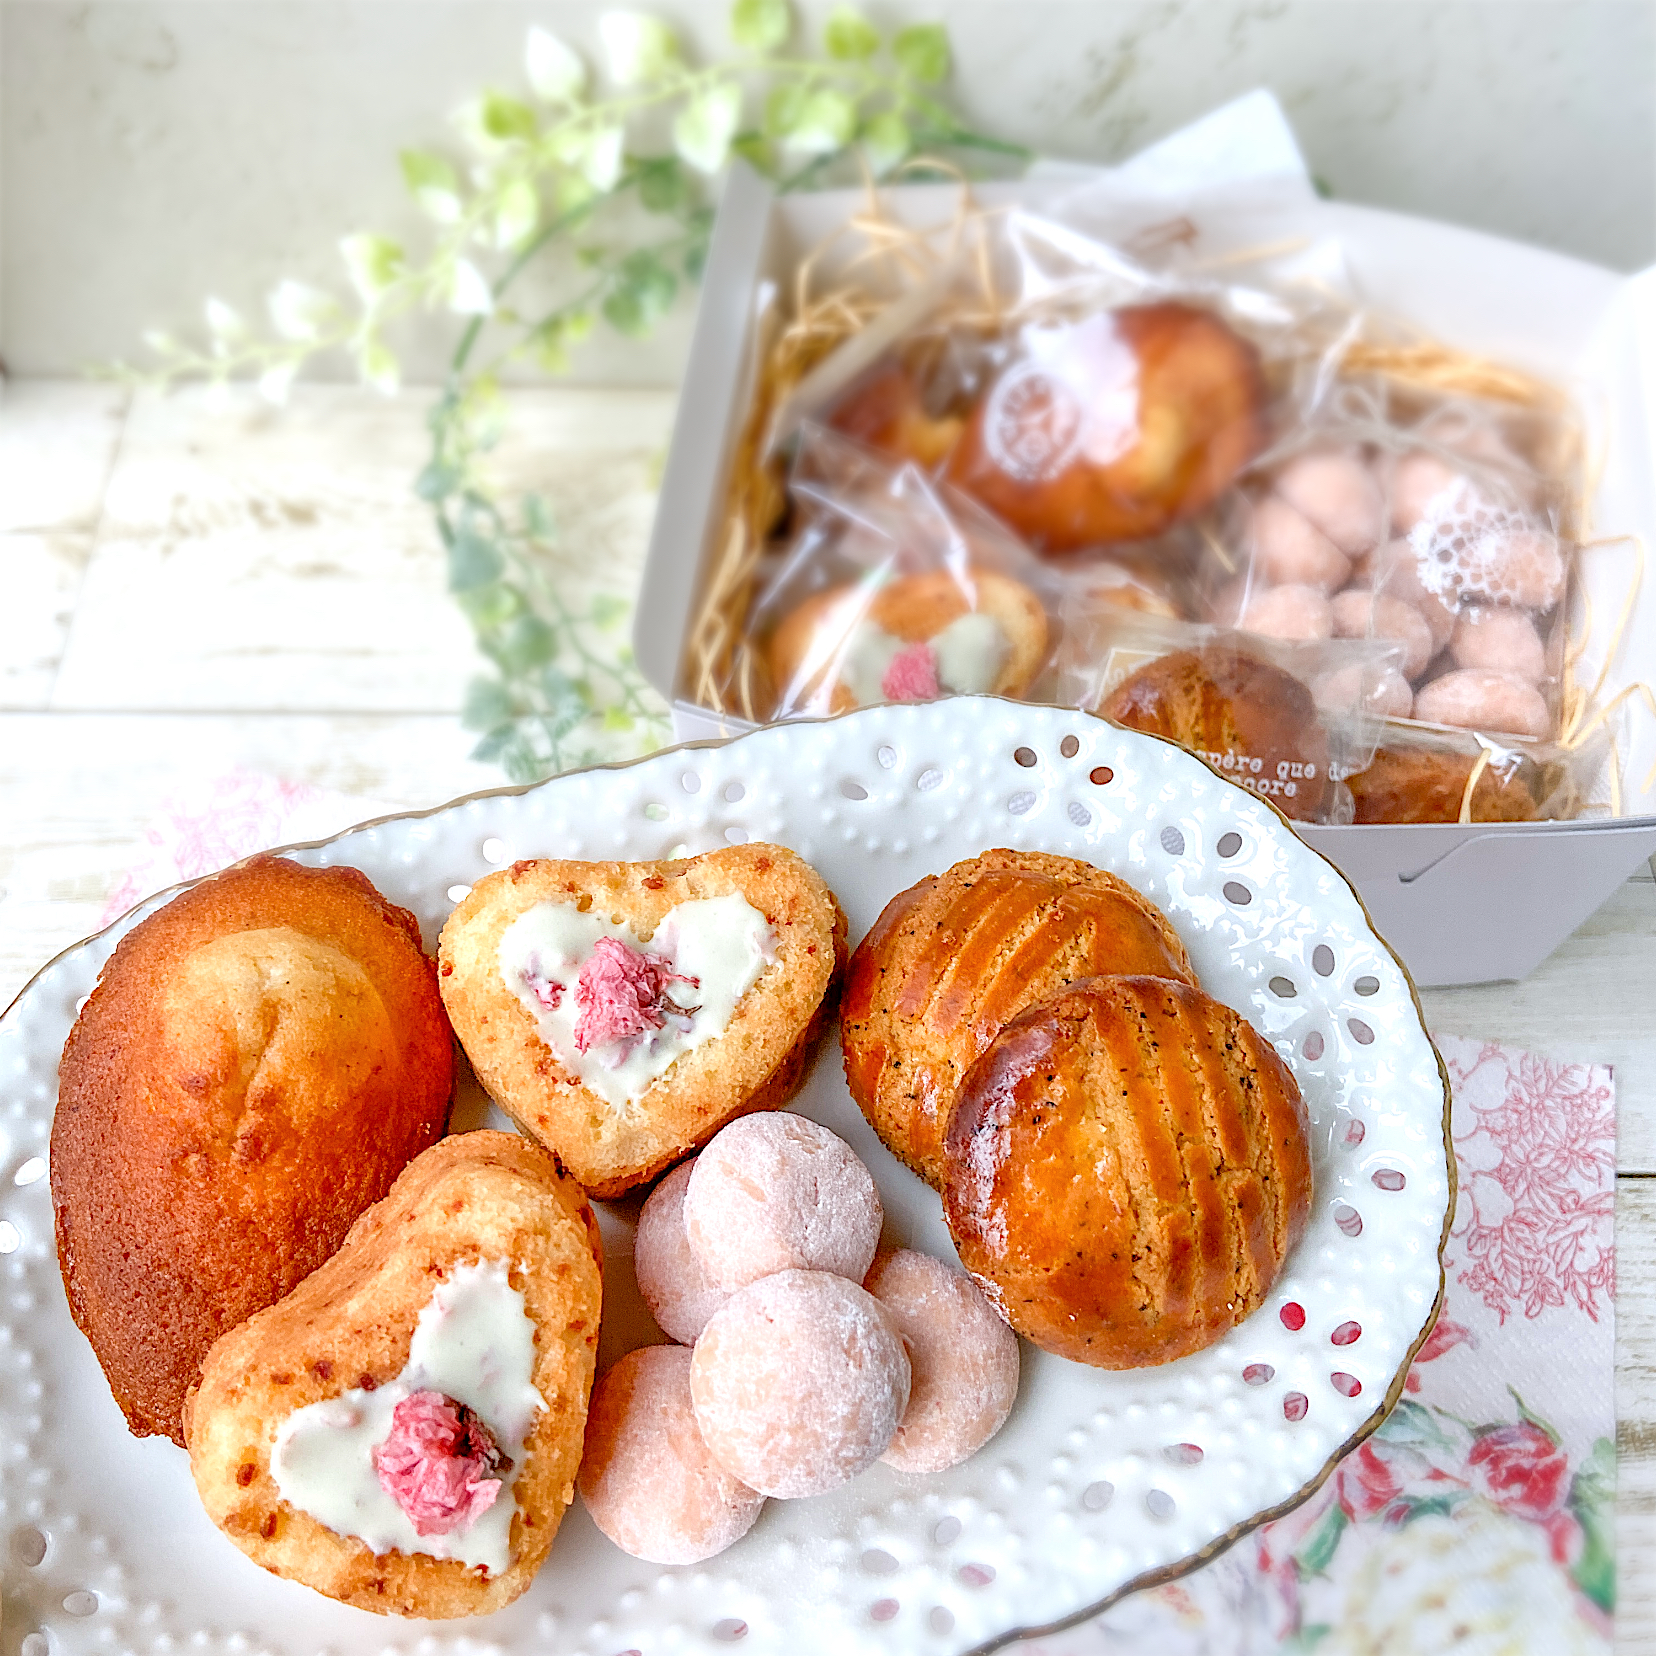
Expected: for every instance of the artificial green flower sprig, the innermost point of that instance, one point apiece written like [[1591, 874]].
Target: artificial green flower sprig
[[550, 174]]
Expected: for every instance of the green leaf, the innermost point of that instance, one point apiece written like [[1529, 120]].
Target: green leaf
[[537, 518], [1313, 1558], [437, 482], [473, 561], [522, 764], [1306, 1639], [373, 263], [922, 52], [377, 363], [469, 292], [608, 610], [784, 109], [556, 73], [754, 148], [1432, 1506], [517, 214], [849, 36], [886, 140], [505, 118], [644, 291], [1593, 1501], [1528, 1414], [490, 607], [662, 186], [617, 718], [488, 704], [526, 641], [760, 25], [431, 181], [1410, 1422], [824, 122], [495, 743], [705, 126], [224, 322], [638, 48], [602, 159]]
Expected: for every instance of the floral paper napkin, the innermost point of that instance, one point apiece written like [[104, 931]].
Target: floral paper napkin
[[1479, 1519]]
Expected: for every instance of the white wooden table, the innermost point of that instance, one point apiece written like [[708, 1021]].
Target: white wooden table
[[186, 591]]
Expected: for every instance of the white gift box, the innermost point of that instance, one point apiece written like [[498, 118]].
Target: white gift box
[[1460, 903]]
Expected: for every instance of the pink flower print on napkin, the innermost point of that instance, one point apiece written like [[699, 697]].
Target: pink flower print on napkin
[[1537, 1147]]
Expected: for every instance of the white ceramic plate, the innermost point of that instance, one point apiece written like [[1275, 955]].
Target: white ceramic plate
[[1099, 1479]]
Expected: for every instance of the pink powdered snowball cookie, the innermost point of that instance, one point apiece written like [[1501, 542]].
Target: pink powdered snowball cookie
[[670, 1276], [1383, 693], [1522, 567], [1420, 482], [1339, 495], [646, 1475], [776, 1192], [1474, 698], [1503, 640], [1288, 612], [1394, 570], [964, 1361], [1361, 614], [1289, 550], [799, 1383]]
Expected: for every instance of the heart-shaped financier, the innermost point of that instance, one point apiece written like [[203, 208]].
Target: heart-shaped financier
[[402, 1432], [913, 639], [622, 1013]]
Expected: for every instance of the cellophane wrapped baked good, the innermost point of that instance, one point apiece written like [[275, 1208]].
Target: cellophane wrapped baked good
[[1224, 441], [894, 588], [1290, 720]]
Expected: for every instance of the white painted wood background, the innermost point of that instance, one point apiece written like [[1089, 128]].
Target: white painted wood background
[[187, 590]]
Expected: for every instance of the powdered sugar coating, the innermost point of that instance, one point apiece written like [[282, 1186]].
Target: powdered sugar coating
[[1502, 640], [963, 1359], [799, 1382], [1419, 482], [1358, 687], [1339, 495], [1477, 699], [1392, 569], [1289, 549], [776, 1192], [670, 1276], [1293, 611], [647, 1477], [1363, 614]]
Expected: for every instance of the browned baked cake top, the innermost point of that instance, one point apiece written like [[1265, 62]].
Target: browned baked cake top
[[953, 958], [476, 1198], [1404, 786], [757, 1062], [1126, 1168], [260, 1059], [1198, 420], [1229, 706]]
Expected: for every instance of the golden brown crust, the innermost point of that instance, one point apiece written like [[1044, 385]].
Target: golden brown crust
[[1200, 419], [1403, 785], [259, 1061], [1127, 1167], [1255, 722], [480, 1197], [953, 958], [914, 608], [755, 1065], [886, 412]]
